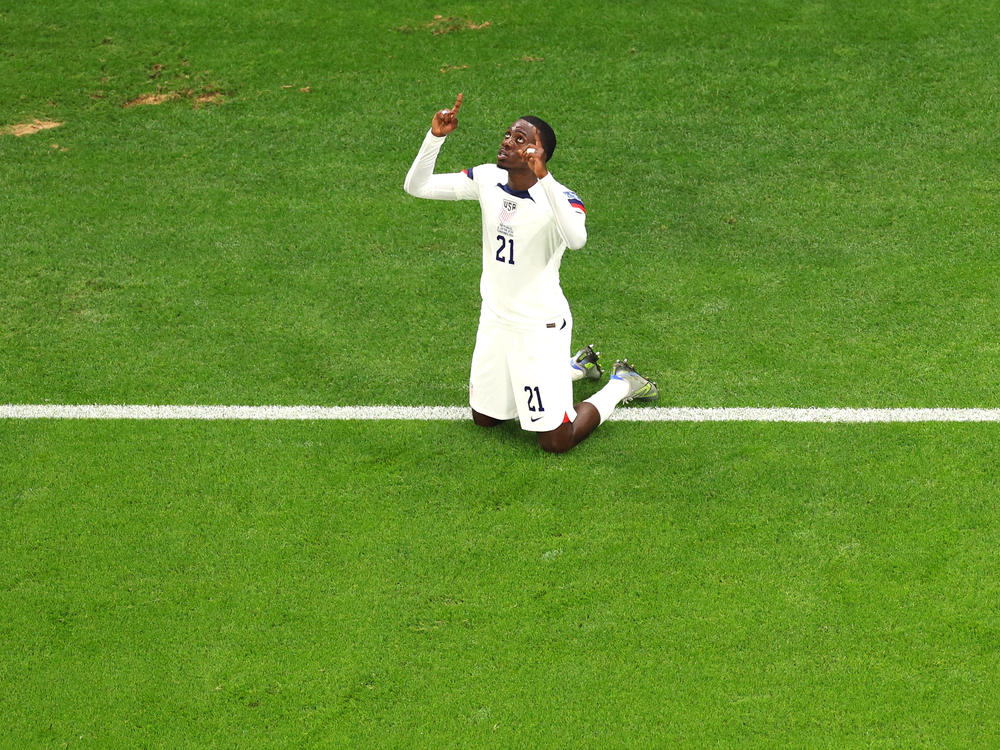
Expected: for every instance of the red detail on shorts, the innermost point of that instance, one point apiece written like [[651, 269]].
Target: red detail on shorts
[[566, 417]]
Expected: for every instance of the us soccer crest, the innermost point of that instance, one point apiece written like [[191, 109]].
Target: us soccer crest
[[507, 212]]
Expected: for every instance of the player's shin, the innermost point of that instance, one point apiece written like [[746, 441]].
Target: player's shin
[[606, 399]]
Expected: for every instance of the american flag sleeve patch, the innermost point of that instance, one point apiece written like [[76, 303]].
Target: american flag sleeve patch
[[467, 172], [575, 202]]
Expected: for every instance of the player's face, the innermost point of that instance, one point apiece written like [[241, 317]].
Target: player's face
[[518, 135]]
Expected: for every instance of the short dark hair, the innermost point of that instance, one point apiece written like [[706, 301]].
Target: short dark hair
[[545, 133]]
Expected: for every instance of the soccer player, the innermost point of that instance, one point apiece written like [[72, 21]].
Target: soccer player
[[519, 365]]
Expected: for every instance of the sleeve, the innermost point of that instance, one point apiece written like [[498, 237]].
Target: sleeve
[[421, 181], [569, 212]]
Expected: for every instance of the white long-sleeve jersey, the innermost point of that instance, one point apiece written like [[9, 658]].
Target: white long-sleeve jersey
[[525, 234]]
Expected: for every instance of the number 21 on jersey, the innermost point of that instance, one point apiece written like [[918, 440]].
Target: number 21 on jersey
[[505, 253]]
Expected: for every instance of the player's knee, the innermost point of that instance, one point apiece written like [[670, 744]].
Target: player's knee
[[483, 420], [557, 441]]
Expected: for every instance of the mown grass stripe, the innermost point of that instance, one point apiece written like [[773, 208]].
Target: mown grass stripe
[[457, 413]]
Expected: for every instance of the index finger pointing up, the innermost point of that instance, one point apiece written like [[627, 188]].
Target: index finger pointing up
[[458, 103]]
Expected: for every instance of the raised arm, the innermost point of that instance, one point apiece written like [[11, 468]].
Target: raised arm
[[571, 219], [446, 120], [421, 182], [570, 216]]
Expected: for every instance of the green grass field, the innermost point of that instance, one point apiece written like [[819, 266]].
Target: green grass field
[[789, 204]]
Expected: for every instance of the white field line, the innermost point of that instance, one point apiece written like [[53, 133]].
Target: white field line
[[457, 413]]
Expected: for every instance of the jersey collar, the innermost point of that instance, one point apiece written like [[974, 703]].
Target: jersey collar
[[516, 193]]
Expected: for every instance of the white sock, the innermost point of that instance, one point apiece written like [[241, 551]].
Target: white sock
[[606, 399], [575, 373]]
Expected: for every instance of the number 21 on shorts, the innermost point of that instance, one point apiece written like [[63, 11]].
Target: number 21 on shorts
[[534, 398]]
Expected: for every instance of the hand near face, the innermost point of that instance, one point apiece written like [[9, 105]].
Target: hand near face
[[446, 120], [534, 157]]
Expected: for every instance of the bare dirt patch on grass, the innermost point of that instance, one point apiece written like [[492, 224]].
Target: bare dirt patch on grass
[[446, 25], [197, 98], [28, 128], [151, 100]]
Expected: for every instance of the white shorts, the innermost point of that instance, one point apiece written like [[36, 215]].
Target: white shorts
[[523, 373]]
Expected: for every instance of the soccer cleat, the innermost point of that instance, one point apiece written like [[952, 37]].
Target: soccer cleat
[[585, 361], [640, 388]]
